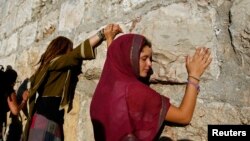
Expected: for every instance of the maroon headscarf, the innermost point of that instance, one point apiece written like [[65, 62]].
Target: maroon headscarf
[[123, 108]]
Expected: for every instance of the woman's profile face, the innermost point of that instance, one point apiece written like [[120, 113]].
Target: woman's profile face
[[145, 61]]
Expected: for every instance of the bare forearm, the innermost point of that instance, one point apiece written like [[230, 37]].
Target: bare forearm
[[183, 114], [108, 33], [196, 65], [189, 100], [94, 40]]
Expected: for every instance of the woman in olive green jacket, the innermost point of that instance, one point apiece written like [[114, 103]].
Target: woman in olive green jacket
[[54, 82]]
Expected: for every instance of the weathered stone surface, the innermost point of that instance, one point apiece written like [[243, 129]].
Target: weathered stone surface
[[12, 44], [240, 30], [28, 35], [71, 15]]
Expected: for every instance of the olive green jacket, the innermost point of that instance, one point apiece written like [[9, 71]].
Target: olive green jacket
[[56, 78]]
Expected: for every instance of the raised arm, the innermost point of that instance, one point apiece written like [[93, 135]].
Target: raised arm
[[108, 33], [195, 65]]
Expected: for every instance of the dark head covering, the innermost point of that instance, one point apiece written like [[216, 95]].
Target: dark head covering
[[9, 80], [10, 76], [123, 107]]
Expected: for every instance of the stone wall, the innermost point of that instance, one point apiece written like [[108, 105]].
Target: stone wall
[[175, 28]]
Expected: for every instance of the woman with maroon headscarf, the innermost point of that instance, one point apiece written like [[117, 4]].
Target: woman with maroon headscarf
[[124, 107]]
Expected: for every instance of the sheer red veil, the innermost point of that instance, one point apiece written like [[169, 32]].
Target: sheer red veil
[[123, 107]]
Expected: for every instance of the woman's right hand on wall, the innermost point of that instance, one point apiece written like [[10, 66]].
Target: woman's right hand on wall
[[198, 63]]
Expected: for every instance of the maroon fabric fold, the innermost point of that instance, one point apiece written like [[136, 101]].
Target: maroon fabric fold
[[123, 107]]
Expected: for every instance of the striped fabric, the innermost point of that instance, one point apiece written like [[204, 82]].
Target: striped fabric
[[43, 129]]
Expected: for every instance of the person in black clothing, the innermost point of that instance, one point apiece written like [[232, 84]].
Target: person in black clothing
[[2, 102], [9, 103]]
